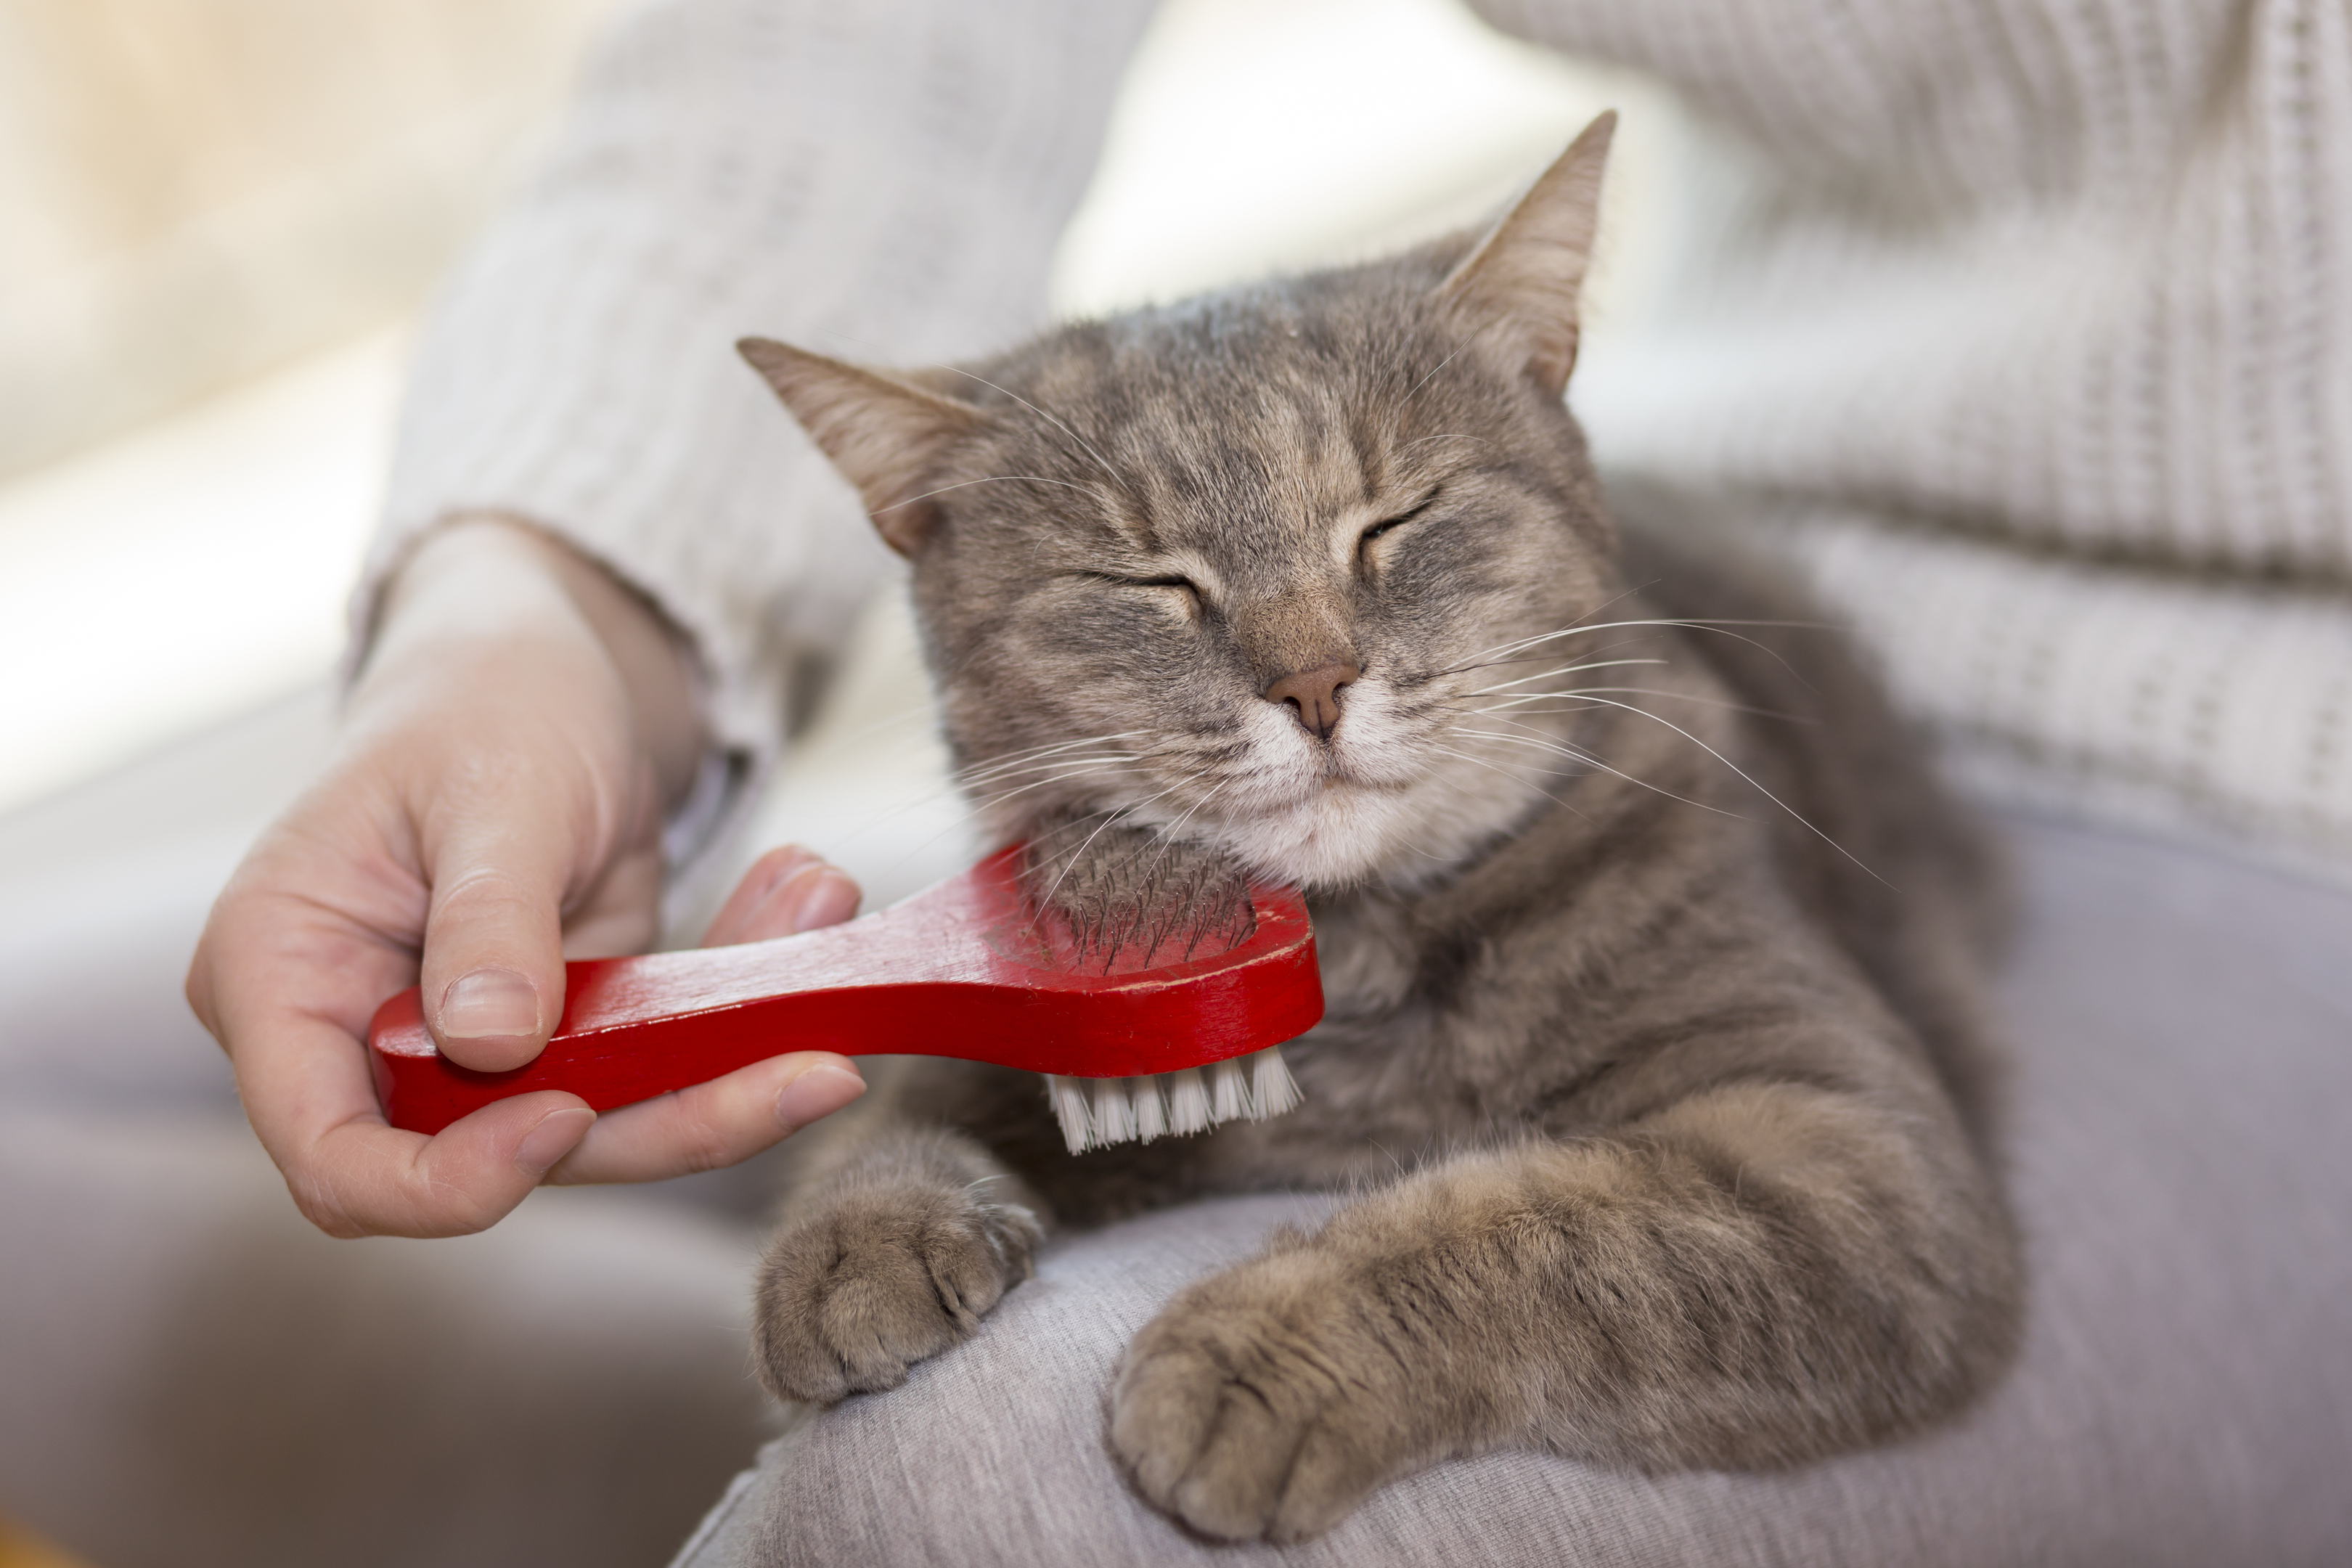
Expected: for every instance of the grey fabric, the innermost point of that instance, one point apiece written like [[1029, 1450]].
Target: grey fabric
[[103, 889], [194, 1378], [2184, 1031], [190, 1375]]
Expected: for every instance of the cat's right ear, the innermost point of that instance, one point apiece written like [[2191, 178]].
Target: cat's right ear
[[885, 435], [1526, 275]]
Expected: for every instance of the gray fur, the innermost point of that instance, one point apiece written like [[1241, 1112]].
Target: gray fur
[[1666, 1117]]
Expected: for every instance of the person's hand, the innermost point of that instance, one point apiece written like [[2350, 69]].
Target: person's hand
[[494, 806]]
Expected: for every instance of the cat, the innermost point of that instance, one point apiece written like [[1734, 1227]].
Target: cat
[[1655, 1063]]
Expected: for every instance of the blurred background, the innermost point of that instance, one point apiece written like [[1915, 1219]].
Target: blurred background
[[214, 216], [218, 218]]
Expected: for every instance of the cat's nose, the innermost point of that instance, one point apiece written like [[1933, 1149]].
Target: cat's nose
[[1314, 696]]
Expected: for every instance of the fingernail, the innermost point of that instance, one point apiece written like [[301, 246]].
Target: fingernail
[[828, 898], [488, 1002], [552, 1138], [820, 1091], [782, 864]]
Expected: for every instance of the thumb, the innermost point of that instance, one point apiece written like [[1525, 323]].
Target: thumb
[[492, 972]]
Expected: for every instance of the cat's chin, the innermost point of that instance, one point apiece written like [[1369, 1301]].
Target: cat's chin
[[1346, 835], [1342, 838], [1374, 809]]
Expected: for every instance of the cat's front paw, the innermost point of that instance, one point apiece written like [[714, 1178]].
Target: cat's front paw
[[878, 1277], [1262, 1402]]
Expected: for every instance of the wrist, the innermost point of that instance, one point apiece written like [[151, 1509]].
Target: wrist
[[483, 590]]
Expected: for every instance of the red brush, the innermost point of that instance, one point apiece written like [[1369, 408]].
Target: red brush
[[1138, 1033]]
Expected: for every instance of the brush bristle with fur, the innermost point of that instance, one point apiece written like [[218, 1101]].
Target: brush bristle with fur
[[1120, 903]]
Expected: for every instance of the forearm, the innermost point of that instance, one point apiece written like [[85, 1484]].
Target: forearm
[[484, 591], [738, 166]]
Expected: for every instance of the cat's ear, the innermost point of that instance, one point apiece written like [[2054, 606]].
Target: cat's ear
[[1523, 279], [884, 433]]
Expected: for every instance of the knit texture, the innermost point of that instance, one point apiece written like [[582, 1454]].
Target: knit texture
[[2028, 325], [882, 181]]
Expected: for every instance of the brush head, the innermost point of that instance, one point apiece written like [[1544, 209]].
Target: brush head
[[1098, 1112], [1119, 901], [1116, 900], [968, 968]]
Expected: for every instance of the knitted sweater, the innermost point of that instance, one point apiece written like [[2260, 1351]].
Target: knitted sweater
[[2028, 327]]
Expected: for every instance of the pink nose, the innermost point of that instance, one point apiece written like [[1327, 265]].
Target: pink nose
[[1314, 696]]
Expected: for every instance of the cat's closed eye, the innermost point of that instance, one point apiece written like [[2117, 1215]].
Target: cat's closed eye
[[1385, 526], [1190, 590]]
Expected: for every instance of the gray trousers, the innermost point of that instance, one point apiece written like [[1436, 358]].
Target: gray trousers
[[189, 1375], [2181, 1149]]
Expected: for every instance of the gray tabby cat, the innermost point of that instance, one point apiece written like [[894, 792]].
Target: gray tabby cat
[[1664, 1118]]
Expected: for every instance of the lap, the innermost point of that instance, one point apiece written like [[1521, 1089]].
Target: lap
[[2180, 1025]]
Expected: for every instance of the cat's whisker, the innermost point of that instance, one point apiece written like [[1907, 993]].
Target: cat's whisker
[[1580, 754], [1726, 703], [1167, 835], [1720, 628], [1115, 814], [1462, 349], [998, 800], [1752, 781], [1036, 754], [980, 770], [989, 479], [963, 820], [1100, 461], [1501, 771], [1499, 764], [1562, 669], [1123, 812], [1621, 593], [1537, 657], [1044, 764]]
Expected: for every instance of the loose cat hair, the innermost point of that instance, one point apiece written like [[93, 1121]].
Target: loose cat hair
[[1656, 1065]]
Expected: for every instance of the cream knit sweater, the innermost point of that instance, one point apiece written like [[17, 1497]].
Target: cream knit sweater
[[2028, 324]]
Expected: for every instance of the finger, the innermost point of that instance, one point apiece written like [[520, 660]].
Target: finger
[[787, 891], [713, 1124], [493, 961], [364, 1178], [622, 915], [306, 1085], [767, 873]]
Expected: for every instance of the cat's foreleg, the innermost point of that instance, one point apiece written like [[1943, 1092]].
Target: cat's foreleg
[[890, 1251], [1759, 1274]]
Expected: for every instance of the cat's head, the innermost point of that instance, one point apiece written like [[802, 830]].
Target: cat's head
[[1254, 569]]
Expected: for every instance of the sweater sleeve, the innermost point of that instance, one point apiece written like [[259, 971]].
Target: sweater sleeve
[[883, 181], [2041, 311]]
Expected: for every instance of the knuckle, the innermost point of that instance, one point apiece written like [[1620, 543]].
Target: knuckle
[[322, 1210], [702, 1140]]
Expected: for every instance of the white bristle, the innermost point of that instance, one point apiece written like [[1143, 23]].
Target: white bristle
[[1230, 1092], [1095, 1111], [1271, 1085], [1150, 1110], [1069, 1096], [1188, 1102], [1114, 1111]]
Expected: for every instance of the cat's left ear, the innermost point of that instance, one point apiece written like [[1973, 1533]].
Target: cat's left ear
[[1523, 279], [884, 433]]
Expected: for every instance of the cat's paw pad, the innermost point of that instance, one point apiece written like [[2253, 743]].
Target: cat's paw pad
[[879, 1278], [1258, 1404]]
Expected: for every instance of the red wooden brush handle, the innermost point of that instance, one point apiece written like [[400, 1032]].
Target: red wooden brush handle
[[961, 970]]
